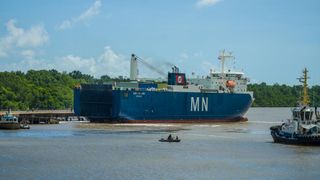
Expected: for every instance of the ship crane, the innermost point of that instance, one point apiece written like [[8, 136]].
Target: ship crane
[[134, 67]]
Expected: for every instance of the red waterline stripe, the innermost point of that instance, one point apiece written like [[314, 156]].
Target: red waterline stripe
[[188, 121]]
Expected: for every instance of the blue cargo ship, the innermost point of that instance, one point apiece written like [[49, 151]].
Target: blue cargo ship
[[220, 96]]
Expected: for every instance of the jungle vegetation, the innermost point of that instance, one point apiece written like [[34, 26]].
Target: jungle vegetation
[[50, 89]]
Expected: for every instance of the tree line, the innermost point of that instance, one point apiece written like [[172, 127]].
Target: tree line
[[282, 95], [43, 89], [50, 89]]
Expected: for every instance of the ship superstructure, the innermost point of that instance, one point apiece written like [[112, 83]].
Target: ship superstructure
[[225, 80]]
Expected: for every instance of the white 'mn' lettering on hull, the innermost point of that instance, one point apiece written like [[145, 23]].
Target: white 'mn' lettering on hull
[[205, 103], [195, 104]]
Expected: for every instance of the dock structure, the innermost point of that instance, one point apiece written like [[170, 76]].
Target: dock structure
[[42, 116]]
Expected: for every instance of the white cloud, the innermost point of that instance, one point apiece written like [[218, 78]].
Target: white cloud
[[22, 38], [109, 62], [3, 49], [28, 54], [206, 3], [184, 56], [65, 25], [113, 64], [72, 62], [90, 12]]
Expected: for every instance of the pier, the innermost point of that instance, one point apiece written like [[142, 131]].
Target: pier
[[42, 116]]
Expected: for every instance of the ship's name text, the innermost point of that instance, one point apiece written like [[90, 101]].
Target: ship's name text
[[197, 101]]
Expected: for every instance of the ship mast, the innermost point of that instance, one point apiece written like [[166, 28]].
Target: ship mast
[[304, 80], [223, 57]]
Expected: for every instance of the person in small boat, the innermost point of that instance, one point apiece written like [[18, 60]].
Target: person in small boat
[[177, 138], [170, 137]]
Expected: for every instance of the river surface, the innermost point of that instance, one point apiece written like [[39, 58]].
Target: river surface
[[77, 150]]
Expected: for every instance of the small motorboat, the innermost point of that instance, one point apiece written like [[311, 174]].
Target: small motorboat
[[169, 140], [24, 126]]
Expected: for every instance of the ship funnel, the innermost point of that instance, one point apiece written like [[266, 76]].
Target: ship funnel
[[133, 68]]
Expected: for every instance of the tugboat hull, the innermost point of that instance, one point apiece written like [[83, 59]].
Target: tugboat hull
[[307, 140], [9, 125]]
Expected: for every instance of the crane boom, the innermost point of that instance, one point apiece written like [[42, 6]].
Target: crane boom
[[149, 65]]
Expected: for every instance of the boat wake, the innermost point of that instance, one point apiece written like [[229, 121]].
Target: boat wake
[[264, 122], [210, 135], [205, 125], [146, 125]]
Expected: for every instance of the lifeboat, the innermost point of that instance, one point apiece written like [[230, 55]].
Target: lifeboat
[[231, 84]]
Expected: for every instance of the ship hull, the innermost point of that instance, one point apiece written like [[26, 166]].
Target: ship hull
[[181, 107], [143, 106]]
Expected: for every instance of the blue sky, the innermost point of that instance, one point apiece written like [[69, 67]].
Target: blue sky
[[272, 40]]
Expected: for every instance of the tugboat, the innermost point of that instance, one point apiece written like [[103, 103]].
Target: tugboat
[[8, 121], [302, 128]]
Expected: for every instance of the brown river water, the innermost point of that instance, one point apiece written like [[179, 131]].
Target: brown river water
[[79, 150]]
